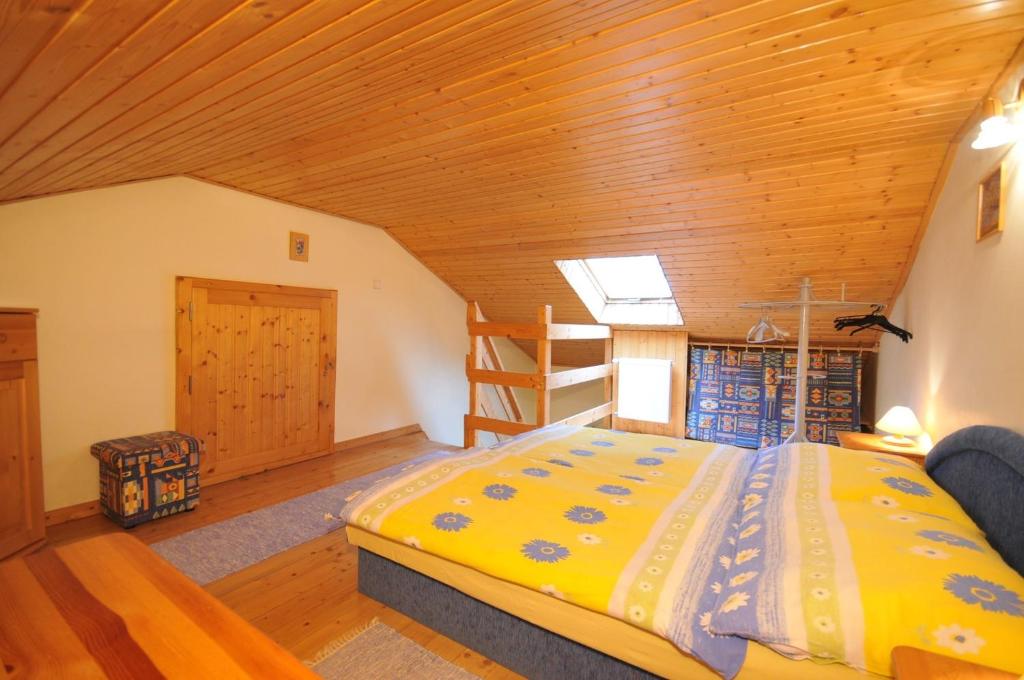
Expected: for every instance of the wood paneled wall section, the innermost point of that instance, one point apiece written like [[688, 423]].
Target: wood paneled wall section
[[255, 373], [747, 144], [656, 345]]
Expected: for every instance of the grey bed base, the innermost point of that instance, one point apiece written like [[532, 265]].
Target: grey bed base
[[510, 641]]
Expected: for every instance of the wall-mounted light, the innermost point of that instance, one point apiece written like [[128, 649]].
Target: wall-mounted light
[[996, 127]]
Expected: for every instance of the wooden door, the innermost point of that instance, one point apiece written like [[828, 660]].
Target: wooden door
[[21, 475], [255, 373]]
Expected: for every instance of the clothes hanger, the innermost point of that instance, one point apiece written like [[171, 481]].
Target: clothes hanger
[[765, 331], [873, 320]]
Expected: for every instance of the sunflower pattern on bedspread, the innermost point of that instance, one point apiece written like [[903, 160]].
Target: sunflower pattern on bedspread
[[622, 524]]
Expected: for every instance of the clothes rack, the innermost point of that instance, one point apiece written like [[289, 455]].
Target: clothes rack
[[805, 303], [748, 347]]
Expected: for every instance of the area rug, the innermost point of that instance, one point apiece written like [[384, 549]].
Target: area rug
[[379, 651], [214, 551]]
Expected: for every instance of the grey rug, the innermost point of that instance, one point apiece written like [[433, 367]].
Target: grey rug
[[214, 551], [380, 651]]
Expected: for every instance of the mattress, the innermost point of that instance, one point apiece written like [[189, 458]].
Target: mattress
[[598, 631], [674, 549]]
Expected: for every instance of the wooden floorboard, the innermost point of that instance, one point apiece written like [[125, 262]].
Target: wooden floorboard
[[306, 597]]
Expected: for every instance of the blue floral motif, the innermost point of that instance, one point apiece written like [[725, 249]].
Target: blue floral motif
[[614, 490], [559, 461], [635, 478], [991, 596], [950, 539], [451, 521], [582, 514], [649, 461], [536, 472], [581, 452], [500, 492], [603, 443], [664, 449], [907, 486], [544, 551]]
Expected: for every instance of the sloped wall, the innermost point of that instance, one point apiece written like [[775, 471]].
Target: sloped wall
[[100, 266], [964, 303]]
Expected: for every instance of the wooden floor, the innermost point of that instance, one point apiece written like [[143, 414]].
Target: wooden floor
[[305, 597]]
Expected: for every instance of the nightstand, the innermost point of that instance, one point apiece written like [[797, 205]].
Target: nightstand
[[910, 663], [861, 441]]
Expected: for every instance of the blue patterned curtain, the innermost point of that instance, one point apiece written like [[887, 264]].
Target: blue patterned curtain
[[747, 398]]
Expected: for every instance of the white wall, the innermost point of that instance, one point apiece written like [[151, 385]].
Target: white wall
[[565, 401], [568, 401], [100, 266], [964, 303]]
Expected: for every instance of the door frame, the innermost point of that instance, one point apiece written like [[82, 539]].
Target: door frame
[[325, 299]]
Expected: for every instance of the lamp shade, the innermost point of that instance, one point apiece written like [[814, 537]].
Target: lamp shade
[[996, 129], [900, 420]]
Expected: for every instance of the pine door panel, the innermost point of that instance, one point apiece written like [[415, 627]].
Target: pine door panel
[[256, 373], [21, 497]]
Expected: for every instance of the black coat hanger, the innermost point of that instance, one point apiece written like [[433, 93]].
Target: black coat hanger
[[873, 320]]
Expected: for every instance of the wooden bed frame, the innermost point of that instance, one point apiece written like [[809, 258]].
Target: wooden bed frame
[[542, 382]]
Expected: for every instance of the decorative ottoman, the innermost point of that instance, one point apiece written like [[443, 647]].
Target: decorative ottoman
[[149, 476]]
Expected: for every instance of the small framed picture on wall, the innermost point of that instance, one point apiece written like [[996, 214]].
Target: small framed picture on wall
[[298, 246], [991, 194]]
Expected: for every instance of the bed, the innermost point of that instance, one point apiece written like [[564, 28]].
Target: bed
[[570, 569]]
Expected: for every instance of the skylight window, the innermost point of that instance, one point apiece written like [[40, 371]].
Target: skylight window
[[623, 290]]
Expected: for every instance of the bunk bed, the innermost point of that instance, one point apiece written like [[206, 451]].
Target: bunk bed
[[569, 551]]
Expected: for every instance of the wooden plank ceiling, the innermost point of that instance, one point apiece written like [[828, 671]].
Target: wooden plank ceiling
[[745, 143]]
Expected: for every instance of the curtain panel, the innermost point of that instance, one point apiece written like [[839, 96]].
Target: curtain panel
[[747, 397]]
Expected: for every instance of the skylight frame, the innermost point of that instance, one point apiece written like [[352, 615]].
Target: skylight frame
[[631, 311], [585, 263]]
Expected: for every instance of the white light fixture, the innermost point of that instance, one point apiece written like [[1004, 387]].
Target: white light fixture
[[902, 423], [996, 127]]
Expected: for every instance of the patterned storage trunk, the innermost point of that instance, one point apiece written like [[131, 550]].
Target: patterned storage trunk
[[149, 476]]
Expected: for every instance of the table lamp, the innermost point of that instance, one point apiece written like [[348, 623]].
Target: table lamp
[[901, 422]]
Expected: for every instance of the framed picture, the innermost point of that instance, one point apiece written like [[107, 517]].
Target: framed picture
[[991, 192], [298, 246]]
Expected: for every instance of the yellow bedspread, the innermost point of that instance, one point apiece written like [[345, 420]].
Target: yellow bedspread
[[623, 524], [816, 551], [857, 553]]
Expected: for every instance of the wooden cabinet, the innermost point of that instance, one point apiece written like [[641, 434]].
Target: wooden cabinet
[[255, 373], [21, 475]]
